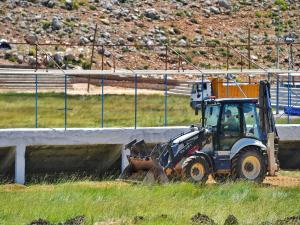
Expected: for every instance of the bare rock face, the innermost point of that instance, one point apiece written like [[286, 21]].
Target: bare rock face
[[48, 3], [152, 14], [214, 10], [58, 58], [69, 5], [56, 24], [225, 4], [31, 39], [140, 22]]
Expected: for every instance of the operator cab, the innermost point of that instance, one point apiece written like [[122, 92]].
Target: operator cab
[[231, 119]]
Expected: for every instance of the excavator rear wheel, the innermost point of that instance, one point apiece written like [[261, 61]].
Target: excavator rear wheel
[[195, 169], [249, 164]]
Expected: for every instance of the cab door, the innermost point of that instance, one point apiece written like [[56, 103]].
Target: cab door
[[230, 127]]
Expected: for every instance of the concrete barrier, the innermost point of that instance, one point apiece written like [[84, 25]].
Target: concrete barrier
[[18, 140], [289, 146]]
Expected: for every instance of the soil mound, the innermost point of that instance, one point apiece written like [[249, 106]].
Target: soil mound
[[231, 220], [202, 219]]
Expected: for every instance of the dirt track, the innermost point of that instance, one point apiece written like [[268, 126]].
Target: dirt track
[[283, 181], [81, 89], [279, 180]]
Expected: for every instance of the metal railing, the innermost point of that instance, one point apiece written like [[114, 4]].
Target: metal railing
[[171, 51], [279, 100], [223, 51], [102, 82]]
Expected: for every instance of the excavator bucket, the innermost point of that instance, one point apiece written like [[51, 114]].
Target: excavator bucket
[[140, 163], [143, 166]]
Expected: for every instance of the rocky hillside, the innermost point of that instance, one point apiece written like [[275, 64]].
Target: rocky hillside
[[143, 25]]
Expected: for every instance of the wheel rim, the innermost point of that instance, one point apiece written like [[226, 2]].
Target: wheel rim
[[197, 171], [251, 167]]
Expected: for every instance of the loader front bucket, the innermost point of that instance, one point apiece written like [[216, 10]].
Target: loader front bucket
[[143, 165], [145, 170], [140, 164]]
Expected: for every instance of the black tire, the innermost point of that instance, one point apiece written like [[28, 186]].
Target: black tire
[[198, 166], [221, 178], [249, 164]]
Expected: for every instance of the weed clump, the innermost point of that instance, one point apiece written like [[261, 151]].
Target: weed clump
[[293, 220], [231, 220], [40, 222], [202, 219], [137, 219], [78, 220]]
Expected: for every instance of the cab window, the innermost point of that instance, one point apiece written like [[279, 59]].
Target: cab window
[[212, 113], [230, 130], [230, 118], [251, 121]]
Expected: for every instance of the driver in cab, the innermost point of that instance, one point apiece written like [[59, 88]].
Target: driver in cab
[[230, 123]]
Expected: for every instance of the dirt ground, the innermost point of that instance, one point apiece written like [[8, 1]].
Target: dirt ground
[[79, 89], [279, 180], [82, 89], [283, 181]]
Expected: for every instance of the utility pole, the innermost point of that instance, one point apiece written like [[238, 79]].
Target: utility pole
[[277, 79], [289, 83], [249, 53], [92, 56], [289, 40]]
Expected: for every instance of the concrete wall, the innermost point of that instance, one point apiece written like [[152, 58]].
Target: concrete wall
[[7, 160], [57, 150], [85, 146], [289, 155], [90, 159], [289, 146]]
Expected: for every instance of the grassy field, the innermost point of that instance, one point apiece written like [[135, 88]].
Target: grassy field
[[18, 110], [164, 204]]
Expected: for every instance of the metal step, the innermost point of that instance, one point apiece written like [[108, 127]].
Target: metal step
[[285, 98], [176, 93], [43, 86], [31, 79], [182, 88], [180, 91], [285, 92], [33, 88], [184, 85], [30, 76], [285, 104], [284, 89]]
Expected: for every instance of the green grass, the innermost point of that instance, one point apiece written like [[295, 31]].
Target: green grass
[[103, 201], [290, 173], [18, 110]]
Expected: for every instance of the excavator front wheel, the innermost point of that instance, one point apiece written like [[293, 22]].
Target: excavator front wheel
[[195, 169]]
